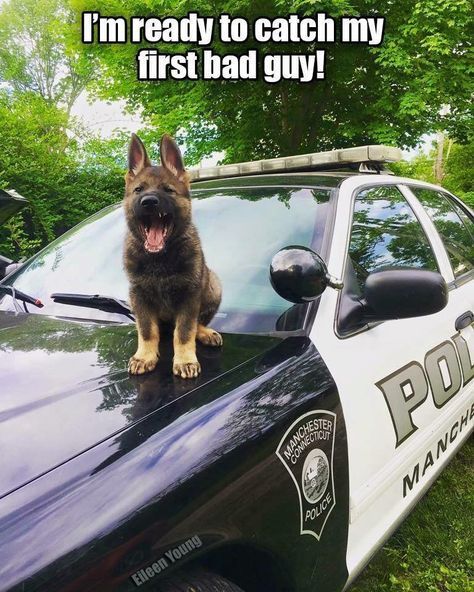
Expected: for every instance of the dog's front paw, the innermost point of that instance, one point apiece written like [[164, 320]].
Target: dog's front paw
[[208, 336], [142, 364], [189, 369]]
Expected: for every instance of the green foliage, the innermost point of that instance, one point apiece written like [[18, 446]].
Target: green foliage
[[15, 241], [33, 52], [433, 550], [96, 179], [391, 94], [64, 180], [424, 66], [41, 75], [35, 163], [458, 176]]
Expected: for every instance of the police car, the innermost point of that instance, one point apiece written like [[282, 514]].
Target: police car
[[343, 388]]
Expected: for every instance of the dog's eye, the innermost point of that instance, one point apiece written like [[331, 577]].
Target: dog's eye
[[169, 188], [138, 189]]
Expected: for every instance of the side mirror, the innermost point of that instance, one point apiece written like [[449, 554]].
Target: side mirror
[[299, 275], [404, 293]]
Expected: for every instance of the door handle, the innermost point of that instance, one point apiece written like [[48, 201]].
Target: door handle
[[464, 320]]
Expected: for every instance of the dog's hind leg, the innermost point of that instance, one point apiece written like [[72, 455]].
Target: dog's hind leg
[[209, 306], [208, 336]]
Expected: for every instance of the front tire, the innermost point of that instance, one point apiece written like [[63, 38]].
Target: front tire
[[200, 581]]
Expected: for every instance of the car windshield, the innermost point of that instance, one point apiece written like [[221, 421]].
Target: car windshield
[[240, 229]]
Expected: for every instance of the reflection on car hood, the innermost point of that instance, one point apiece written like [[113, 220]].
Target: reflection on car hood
[[64, 387]]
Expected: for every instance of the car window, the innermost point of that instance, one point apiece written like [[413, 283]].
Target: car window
[[386, 234], [240, 230], [454, 226]]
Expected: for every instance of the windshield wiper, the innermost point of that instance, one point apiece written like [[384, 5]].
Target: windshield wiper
[[19, 295], [105, 303]]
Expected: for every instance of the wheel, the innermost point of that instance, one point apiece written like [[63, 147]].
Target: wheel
[[199, 581]]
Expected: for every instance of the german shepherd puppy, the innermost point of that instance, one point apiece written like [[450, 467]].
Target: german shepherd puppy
[[169, 280]]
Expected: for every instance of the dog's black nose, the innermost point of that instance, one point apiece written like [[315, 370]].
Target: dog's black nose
[[149, 201]]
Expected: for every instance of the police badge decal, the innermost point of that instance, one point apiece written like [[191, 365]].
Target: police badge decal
[[307, 452]]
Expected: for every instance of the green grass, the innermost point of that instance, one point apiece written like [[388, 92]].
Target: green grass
[[433, 551]]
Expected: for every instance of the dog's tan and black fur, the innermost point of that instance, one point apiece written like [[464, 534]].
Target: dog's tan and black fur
[[169, 280]]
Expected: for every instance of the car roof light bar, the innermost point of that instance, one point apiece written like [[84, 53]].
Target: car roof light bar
[[332, 159]]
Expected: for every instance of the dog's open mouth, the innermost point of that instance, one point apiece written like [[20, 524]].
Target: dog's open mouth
[[155, 231]]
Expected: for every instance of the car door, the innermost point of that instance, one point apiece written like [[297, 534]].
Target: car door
[[454, 223], [402, 425]]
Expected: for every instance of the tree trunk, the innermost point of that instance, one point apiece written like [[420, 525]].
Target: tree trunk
[[439, 164]]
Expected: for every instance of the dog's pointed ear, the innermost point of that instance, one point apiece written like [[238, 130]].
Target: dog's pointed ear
[[137, 156], [171, 157]]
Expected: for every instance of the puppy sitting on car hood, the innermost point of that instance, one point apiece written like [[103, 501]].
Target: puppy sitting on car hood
[[169, 280]]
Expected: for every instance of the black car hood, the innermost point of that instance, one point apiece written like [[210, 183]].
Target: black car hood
[[64, 387]]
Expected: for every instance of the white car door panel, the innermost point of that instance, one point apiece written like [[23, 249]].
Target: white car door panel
[[405, 385]]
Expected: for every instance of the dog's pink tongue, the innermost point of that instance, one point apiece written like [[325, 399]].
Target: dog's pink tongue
[[155, 237]]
